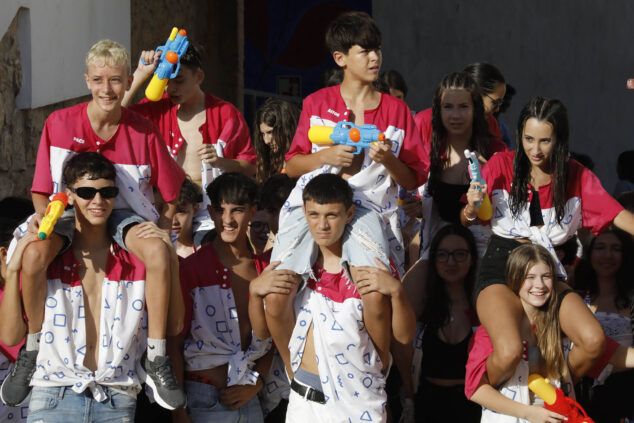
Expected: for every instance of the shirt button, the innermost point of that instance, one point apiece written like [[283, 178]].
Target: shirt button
[[173, 151], [98, 143], [180, 139], [319, 288]]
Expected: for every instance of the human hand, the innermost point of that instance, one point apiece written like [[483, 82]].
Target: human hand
[[538, 414], [236, 396], [34, 223], [147, 63], [413, 207], [272, 281], [381, 151], [338, 155], [207, 153], [151, 230], [475, 196], [375, 279], [15, 264]]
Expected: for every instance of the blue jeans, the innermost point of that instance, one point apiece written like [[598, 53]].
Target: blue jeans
[[203, 405], [63, 405]]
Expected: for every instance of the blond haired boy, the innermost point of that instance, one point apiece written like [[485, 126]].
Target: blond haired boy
[[135, 147]]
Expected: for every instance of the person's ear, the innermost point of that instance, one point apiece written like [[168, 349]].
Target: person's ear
[[339, 58], [196, 208], [200, 76], [69, 194], [3, 254], [130, 79], [350, 213], [87, 81], [253, 210]]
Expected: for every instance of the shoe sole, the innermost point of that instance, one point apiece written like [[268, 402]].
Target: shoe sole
[[157, 397], [2, 396]]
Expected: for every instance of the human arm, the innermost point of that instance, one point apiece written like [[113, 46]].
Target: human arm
[[268, 282], [234, 397], [489, 397], [147, 64], [337, 155], [208, 154], [13, 326], [625, 221], [40, 202], [379, 279]]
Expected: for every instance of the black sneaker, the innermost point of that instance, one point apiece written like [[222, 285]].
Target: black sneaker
[[15, 387], [167, 391]]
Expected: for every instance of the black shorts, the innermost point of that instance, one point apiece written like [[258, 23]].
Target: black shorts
[[492, 268]]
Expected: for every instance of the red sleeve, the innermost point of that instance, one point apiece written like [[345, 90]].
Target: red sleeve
[[42, 178], [301, 144], [610, 348], [496, 145], [480, 348], [167, 175], [187, 270], [494, 128], [598, 208], [413, 154], [235, 133]]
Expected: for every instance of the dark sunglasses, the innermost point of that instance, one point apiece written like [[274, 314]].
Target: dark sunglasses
[[88, 193]]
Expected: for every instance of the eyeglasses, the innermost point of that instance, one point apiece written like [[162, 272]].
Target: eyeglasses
[[496, 103], [88, 193], [259, 226], [459, 255]]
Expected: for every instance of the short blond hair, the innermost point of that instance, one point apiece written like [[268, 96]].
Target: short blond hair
[[109, 53]]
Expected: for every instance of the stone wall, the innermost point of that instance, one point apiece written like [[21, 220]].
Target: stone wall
[[216, 24]]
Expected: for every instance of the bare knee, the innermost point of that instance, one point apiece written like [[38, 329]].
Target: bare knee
[[508, 354], [277, 305], [592, 342], [375, 304], [36, 258]]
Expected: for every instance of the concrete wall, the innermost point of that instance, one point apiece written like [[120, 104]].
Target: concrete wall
[[579, 51]]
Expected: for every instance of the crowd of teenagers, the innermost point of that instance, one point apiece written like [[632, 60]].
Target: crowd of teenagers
[[203, 274]]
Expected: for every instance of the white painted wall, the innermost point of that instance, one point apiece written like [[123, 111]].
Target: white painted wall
[[54, 36]]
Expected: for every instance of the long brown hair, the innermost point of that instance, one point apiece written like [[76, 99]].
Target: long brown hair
[[547, 326], [282, 116]]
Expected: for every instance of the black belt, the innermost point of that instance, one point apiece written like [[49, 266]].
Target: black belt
[[308, 393]]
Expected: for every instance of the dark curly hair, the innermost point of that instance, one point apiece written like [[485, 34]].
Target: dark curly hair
[[282, 116], [553, 112], [480, 136]]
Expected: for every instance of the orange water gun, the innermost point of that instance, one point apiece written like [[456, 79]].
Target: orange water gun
[[555, 400], [54, 211]]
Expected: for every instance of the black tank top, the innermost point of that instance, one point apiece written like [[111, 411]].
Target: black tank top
[[442, 360], [447, 201]]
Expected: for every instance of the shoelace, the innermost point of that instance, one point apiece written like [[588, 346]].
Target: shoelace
[[166, 375], [21, 364]]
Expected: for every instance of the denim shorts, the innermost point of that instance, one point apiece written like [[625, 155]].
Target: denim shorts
[[63, 405], [492, 268], [119, 222], [203, 405]]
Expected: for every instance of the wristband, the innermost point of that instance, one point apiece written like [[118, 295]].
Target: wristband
[[469, 219]]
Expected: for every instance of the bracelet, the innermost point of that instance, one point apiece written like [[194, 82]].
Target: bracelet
[[469, 219]]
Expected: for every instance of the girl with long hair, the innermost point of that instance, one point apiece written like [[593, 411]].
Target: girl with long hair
[[274, 128], [531, 275], [539, 195], [604, 277], [445, 329]]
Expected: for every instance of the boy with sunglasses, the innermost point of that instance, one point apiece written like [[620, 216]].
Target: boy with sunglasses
[[135, 147], [89, 362]]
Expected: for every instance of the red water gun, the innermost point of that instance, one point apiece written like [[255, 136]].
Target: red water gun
[[555, 400]]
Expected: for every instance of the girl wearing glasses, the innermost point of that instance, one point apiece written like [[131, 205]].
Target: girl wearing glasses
[[541, 196], [446, 321]]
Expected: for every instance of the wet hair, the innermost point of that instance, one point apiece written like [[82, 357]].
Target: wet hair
[[553, 112], [109, 53], [506, 102], [192, 59], [586, 279], [547, 326], [275, 190], [190, 193], [569, 248], [350, 29], [437, 304], [92, 164], [282, 116], [625, 166], [487, 76], [480, 136], [394, 80], [7, 226], [328, 188], [16, 208], [232, 188]]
